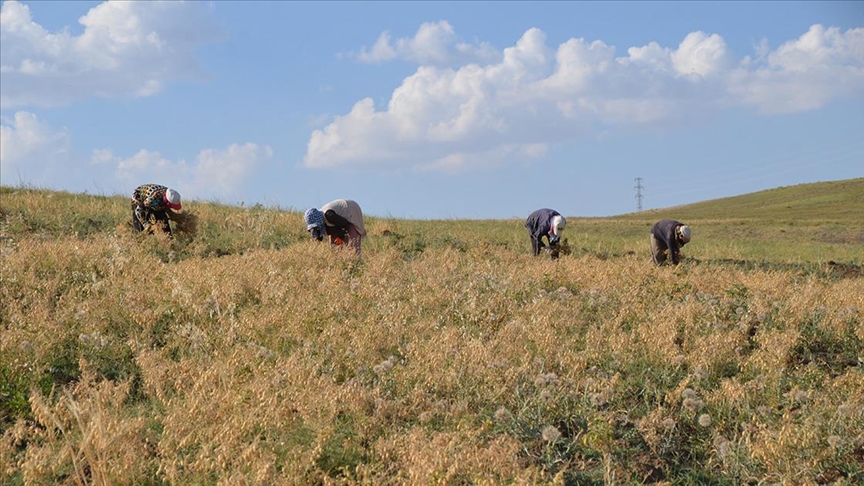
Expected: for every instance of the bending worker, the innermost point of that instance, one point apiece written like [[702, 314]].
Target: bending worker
[[545, 222], [668, 236], [340, 220], [150, 206]]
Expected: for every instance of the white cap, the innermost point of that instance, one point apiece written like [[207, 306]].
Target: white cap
[[684, 233], [172, 197], [558, 223]]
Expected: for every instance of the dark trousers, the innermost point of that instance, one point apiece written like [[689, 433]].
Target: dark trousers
[[658, 250], [537, 245], [160, 217]]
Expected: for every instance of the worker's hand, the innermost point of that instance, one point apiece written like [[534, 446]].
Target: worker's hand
[[554, 240], [316, 233]]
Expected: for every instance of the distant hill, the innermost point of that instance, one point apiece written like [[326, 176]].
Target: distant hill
[[835, 201]]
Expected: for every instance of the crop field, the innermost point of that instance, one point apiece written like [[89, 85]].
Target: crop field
[[247, 354]]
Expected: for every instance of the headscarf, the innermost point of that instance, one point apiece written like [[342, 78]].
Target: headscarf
[[172, 199], [557, 225], [684, 233], [314, 218]]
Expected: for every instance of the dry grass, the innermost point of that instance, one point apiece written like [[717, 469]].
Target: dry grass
[[186, 223], [129, 360]]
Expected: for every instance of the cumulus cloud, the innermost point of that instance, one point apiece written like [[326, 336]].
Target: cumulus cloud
[[803, 74], [214, 174], [32, 152], [701, 55], [127, 49], [532, 95], [434, 43], [220, 171], [30, 148]]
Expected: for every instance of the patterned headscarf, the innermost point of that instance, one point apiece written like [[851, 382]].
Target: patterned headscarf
[[314, 218]]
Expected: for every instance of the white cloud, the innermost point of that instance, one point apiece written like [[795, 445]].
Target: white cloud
[[381, 51], [215, 173], [434, 44], [804, 74], [127, 49], [820, 47], [701, 54], [146, 162], [449, 118], [220, 172], [29, 148], [34, 153]]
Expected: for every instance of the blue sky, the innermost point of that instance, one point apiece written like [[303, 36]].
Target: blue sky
[[432, 109]]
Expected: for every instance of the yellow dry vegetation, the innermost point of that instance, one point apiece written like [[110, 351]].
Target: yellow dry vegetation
[[123, 363]]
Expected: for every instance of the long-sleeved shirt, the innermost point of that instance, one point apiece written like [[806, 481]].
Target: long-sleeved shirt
[[345, 210], [146, 199], [664, 232], [539, 223], [150, 196]]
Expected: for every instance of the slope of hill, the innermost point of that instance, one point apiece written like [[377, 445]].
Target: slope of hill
[[818, 222], [835, 201], [814, 223]]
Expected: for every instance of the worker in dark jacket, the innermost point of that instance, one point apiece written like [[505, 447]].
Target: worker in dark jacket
[[668, 236], [545, 222], [150, 206], [340, 220]]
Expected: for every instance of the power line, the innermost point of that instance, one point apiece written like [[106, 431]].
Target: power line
[[761, 168], [638, 188]]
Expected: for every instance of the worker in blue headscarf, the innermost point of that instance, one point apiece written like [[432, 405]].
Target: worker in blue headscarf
[[340, 220]]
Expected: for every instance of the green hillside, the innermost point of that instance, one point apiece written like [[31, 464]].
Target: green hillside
[[836, 201], [818, 222]]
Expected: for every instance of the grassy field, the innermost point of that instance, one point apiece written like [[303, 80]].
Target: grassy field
[[447, 354]]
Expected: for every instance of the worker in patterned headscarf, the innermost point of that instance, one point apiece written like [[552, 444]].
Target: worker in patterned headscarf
[[150, 206], [668, 236], [340, 220], [549, 223]]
